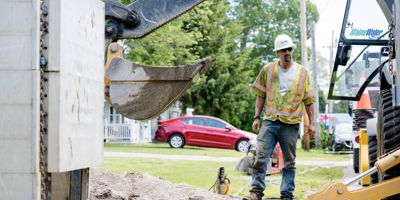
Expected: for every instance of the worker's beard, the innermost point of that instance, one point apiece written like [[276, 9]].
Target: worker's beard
[[288, 58]]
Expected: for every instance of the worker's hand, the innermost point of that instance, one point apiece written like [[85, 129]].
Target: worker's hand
[[311, 129], [256, 125]]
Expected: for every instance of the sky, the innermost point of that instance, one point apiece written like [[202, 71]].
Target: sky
[[331, 12], [330, 19]]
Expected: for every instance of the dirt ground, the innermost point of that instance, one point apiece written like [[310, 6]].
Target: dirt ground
[[141, 186]]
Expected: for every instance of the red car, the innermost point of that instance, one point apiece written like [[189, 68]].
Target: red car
[[203, 131]]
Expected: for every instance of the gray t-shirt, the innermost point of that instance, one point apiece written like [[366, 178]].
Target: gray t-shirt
[[286, 78]]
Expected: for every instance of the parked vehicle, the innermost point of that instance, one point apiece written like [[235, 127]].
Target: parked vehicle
[[203, 131], [341, 138]]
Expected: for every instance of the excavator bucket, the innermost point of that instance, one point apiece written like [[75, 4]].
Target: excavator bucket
[[142, 92], [137, 91]]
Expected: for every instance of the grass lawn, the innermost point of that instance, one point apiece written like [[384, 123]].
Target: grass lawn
[[202, 174], [163, 148]]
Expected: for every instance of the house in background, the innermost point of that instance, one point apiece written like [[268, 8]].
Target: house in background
[[121, 129]]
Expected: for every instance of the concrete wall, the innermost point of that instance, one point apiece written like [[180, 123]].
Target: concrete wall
[[76, 96], [19, 99]]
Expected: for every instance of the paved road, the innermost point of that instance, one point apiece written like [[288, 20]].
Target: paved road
[[219, 159]]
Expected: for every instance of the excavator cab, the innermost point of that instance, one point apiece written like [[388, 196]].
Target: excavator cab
[[366, 57], [137, 91], [360, 52]]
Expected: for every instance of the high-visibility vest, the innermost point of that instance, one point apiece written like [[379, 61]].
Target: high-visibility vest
[[287, 108]]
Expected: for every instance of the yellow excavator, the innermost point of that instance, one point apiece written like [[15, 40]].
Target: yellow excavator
[[137, 91], [369, 39]]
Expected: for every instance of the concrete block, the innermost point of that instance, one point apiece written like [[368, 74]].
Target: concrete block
[[15, 53], [18, 87], [19, 121], [19, 32], [76, 96], [17, 16], [19, 186], [19, 99], [16, 122], [18, 156]]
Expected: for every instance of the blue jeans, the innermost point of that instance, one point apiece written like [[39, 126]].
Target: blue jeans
[[270, 133]]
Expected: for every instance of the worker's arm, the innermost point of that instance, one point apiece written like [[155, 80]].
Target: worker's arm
[[310, 113], [257, 112]]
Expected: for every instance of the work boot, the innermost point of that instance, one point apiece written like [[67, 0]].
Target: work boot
[[286, 198], [252, 196]]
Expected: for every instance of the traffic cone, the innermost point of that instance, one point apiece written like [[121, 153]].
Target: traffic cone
[[364, 102]]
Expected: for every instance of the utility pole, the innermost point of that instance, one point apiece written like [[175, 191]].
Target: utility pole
[[330, 102], [315, 86], [331, 66], [303, 24], [303, 28]]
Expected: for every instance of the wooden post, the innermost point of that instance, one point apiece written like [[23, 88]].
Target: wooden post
[[306, 135]]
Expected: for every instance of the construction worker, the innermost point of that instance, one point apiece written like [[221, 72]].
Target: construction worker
[[281, 87]]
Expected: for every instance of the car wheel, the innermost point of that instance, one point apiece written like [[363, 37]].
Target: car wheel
[[242, 145], [176, 141]]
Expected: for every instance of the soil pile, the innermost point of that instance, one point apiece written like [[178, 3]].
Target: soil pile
[[141, 186]]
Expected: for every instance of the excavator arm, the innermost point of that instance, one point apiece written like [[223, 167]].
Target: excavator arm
[[137, 91]]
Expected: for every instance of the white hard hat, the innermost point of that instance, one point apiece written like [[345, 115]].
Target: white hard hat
[[282, 42]]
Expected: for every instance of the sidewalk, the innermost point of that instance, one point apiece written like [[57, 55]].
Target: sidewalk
[[218, 159]]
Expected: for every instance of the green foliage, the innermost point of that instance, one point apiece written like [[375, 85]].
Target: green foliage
[[324, 133], [263, 20], [341, 107], [166, 47], [322, 100], [238, 35], [126, 1], [324, 136], [224, 91]]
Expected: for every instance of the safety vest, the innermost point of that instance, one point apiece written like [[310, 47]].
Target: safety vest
[[288, 107]]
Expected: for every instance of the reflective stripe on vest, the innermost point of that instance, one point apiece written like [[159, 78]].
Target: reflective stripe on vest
[[288, 107]]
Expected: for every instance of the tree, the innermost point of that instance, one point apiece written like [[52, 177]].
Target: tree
[[322, 101], [263, 20], [224, 90], [238, 35]]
